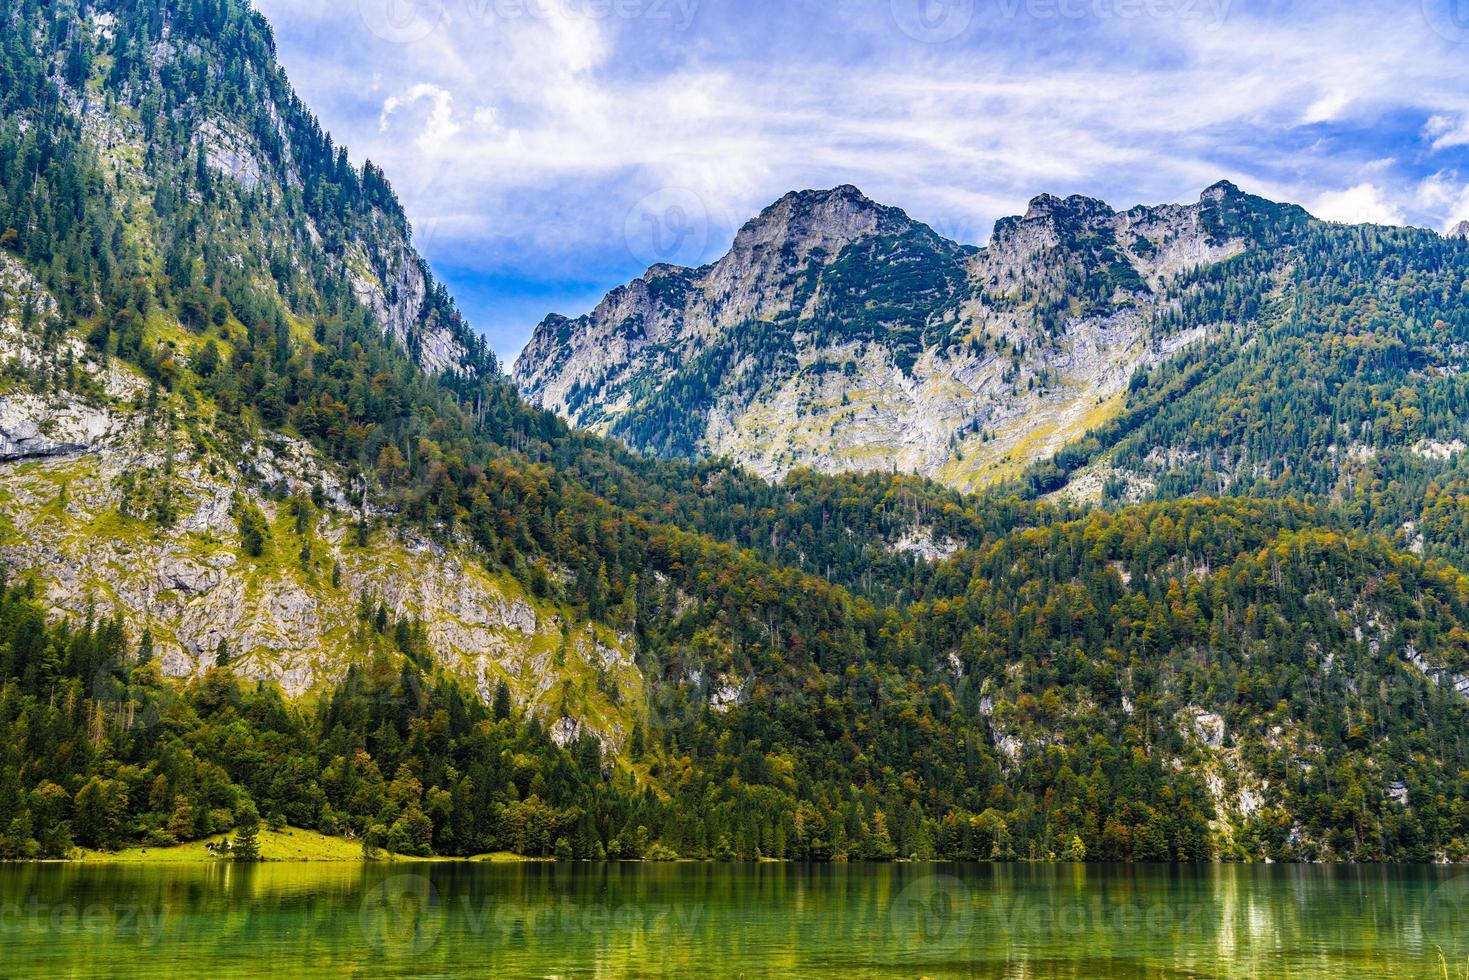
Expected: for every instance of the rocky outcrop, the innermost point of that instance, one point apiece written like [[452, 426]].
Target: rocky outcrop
[[294, 614], [1460, 231], [230, 153], [395, 288], [21, 437], [595, 368]]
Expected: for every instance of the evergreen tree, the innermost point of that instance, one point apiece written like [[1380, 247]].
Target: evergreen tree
[[247, 832]]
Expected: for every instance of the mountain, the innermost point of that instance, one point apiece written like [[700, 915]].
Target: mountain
[[200, 255], [841, 335], [279, 541], [1461, 230], [187, 113], [1337, 374]]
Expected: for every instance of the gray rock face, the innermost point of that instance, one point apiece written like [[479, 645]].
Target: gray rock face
[[20, 438], [591, 368], [293, 623], [230, 153], [395, 289], [838, 334], [1460, 231], [49, 427]]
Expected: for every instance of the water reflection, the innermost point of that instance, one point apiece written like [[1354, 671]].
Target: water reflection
[[613, 920]]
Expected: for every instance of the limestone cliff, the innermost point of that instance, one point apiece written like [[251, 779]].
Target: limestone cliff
[[118, 499]]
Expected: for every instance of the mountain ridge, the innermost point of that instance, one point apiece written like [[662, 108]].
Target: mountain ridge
[[985, 364], [939, 299]]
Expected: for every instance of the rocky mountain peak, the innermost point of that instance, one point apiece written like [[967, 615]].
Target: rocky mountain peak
[[1221, 191], [1074, 207], [1048, 221], [828, 219], [841, 334], [1461, 231]]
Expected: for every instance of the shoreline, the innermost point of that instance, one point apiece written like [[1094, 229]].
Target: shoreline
[[289, 845], [294, 845]]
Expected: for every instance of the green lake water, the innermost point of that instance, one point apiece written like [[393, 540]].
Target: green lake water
[[698, 920]]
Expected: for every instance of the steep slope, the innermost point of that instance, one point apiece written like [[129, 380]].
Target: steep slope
[[1349, 388], [195, 247], [201, 143], [840, 335], [187, 351], [118, 499]]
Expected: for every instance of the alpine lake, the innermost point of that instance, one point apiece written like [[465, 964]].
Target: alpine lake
[[850, 921]]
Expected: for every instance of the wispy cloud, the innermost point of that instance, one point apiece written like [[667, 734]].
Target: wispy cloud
[[522, 134], [1363, 204]]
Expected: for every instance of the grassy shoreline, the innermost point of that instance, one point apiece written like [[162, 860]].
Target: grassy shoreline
[[287, 844]]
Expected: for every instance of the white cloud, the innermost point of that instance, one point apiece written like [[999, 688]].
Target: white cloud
[[437, 128], [1446, 132], [1362, 204], [1446, 194], [524, 140]]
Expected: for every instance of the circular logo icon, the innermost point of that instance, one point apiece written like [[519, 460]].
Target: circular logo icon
[[401, 915], [933, 21], [934, 912], [402, 21], [425, 200], [128, 706], [1446, 913], [1448, 18], [668, 226]]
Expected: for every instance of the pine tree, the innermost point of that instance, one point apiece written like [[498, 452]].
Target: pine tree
[[247, 832]]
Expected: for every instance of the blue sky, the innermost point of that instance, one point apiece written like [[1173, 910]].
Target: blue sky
[[548, 150]]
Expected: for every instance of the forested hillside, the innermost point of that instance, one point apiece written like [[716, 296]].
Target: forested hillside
[[283, 543], [1348, 388]]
